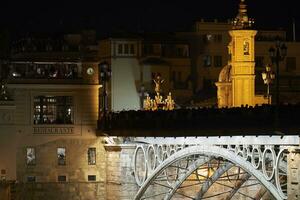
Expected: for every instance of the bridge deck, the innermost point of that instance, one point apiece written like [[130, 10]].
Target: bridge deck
[[263, 120]]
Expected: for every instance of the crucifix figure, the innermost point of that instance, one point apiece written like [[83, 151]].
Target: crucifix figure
[[158, 81]]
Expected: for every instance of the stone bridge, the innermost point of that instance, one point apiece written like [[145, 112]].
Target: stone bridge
[[229, 167]]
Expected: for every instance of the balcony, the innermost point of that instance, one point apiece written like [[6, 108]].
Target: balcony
[[45, 73]]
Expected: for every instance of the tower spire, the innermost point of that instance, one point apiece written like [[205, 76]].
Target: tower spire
[[242, 21]]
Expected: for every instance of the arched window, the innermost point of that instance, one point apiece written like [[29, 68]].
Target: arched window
[[246, 48]]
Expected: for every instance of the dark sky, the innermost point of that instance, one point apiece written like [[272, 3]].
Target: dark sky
[[152, 15]]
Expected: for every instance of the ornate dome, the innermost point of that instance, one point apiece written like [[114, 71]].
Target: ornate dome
[[225, 74]]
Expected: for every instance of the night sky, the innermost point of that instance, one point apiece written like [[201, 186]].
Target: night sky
[[154, 15]]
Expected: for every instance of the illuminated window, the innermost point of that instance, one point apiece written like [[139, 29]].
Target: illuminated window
[[290, 64], [53, 110], [246, 48], [30, 156], [61, 156], [207, 61], [218, 61], [92, 156], [126, 49]]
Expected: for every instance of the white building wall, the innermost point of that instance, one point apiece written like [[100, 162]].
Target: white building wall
[[124, 90]]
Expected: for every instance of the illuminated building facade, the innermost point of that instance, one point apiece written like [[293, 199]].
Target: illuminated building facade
[[236, 86], [48, 123], [50, 117], [209, 54]]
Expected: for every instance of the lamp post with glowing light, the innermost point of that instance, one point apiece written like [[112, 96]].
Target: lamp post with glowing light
[[277, 55], [268, 76], [104, 77]]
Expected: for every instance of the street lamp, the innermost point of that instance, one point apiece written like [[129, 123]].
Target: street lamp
[[142, 94], [277, 55], [104, 77], [268, 76]]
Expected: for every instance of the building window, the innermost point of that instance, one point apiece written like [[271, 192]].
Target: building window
[[259, 62], [53, 110], [30, 156], [48, 47], [218, 61], [173, 76], [61, 156], [207, 61], [179, 77], [31, 179], [246, 48], [43, 71], [148, 49], [92, 178], [120, 49], [218, 38], [62, 178], [3, 173], [132, 51], [290, 64], [179, 52], [126, 49], [92, 156]]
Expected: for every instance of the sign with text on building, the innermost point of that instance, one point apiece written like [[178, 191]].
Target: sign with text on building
[[53, 130]]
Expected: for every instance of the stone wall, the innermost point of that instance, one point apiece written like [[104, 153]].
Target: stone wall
[[4, 191], [113, 173], [294, 174], [46, 171], [60, 191], [121, 184]]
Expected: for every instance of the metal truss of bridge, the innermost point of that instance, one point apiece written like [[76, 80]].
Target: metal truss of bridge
[[212, 168]]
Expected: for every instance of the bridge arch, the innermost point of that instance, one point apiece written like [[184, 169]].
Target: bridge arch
[[210, 152]]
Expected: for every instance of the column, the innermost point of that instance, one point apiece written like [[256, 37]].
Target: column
[[294, 174]]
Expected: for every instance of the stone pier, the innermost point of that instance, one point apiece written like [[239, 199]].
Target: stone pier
[[121, 183], [294, 174]]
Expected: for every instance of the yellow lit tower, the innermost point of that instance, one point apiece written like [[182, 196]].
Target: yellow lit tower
[[242, 59], [236, 84]]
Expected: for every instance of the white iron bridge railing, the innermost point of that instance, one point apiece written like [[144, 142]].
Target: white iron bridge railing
[[168, 162]]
